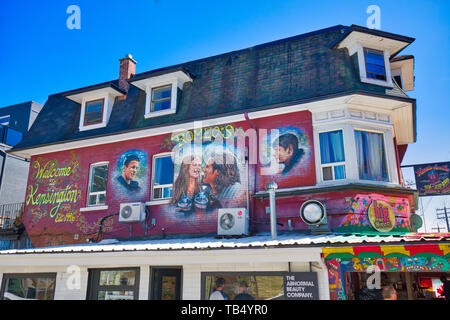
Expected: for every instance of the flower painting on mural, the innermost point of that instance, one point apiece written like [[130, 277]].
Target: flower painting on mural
[[284, 150], [209, 173], [130, 175], [376, 213]]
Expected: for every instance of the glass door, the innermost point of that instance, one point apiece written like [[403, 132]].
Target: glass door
[[166, 284]]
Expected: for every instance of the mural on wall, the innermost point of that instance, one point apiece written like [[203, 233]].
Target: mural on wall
[[53, 191], [376, 212], [285, 151], [210, 171], [130, 175], [337, 267]]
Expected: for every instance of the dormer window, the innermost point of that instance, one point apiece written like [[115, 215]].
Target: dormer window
[[162, 91], [375, 67], [93, 112], [161, 97], [373, 49], [96, 104]]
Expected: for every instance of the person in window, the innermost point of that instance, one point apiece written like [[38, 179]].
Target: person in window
[[287, 152], [187, 184], [218, 293], [389, 293], [221, 174], [243, 292], [129, 170]]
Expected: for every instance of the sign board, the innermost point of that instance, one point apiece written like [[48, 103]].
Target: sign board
[[433, 179], [381, 216], [301, 286]]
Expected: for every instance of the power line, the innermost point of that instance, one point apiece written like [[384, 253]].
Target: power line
[[443, 214]]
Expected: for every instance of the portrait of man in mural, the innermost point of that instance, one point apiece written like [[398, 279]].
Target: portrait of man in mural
[[129, 170], [287, 152], [221, 174], [187, 183]]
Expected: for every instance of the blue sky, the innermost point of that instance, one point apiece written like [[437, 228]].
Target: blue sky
[[40, 56]]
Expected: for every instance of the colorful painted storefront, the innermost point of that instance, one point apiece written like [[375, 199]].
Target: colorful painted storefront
[[410, 268]]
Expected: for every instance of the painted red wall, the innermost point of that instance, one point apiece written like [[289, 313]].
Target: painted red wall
[[68, 225], [48, 225]]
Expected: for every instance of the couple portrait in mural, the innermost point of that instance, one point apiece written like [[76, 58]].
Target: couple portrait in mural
[[208, 179]]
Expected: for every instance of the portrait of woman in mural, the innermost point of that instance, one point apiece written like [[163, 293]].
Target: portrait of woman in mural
[[208, 179], [131, 172], [187, 183], [221, 175]]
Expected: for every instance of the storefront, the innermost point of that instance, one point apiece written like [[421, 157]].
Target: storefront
[[168, 270], [413, 269]]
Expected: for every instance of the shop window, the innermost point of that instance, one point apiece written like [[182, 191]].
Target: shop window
[[93, 112], [33, 286], [244, 285], [113, 284], [375, 67], [97, 184], [371, 156], [332, 155], [162, 176]]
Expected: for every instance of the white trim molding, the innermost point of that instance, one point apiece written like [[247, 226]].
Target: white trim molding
[[348, 118]]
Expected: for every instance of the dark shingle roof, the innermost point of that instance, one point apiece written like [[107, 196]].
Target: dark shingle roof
[[282, 72]]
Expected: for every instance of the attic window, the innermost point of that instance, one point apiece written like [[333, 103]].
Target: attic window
[[161, 97], [93, 113], [161, 91], [375, 67]]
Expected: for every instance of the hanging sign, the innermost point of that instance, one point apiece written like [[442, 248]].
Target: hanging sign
[[433, 179], [381, 216]]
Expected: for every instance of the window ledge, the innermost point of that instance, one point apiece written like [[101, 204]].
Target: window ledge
[[377, 82], [94, 208], [94, 126], [158, 202], [159, 113]]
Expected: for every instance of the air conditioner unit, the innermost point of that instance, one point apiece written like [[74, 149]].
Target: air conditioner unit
[[232, 221], [132, 212]]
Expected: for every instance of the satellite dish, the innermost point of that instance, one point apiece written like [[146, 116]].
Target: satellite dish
[[126, 212], [415, 222], [227, 221]]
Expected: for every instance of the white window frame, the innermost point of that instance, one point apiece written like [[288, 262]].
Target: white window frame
[[362, 67], [333, 164], [175, 79], [159, 200], [382, 132], [97, 193], [173, 82], [351, 162], [4, 117], [108, 101]]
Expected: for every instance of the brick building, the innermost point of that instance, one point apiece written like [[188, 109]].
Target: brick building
[[240, 166]]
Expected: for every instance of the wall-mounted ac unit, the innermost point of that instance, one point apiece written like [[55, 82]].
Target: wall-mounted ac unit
[[232, 221], [132, 212]]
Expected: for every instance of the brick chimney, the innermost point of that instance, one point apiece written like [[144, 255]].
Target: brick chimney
[[127, 69]]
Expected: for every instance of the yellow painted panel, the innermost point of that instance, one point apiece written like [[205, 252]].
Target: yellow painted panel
[[394, 249]]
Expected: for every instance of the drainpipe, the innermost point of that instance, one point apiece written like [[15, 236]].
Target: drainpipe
[[272, 187], [256, 164]]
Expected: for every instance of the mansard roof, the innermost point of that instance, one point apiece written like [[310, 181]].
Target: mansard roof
[[290, 71]]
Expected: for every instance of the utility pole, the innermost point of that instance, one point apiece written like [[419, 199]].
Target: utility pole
[[437, 228], [443, 214]]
